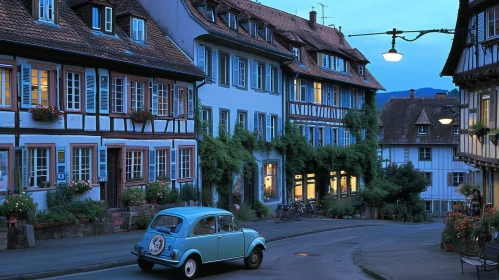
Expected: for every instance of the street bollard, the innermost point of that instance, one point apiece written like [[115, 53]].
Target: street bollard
[[30, 235]]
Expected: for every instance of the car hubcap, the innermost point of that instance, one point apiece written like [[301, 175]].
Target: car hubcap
[[254, 258], [190, 268]]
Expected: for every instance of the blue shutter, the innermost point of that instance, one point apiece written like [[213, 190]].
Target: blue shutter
[[279, 126], [310, 92], [316, 135], [291, 90], [257, 130], [152, 165], [481, 27], [175, 101], [25, 86], [341, 135], [173, 165], [307, 133], [327, 130], [90, 92], [268, 132], [324, 93], [104, 94], [349, 97], [214, 66], [267, 77], [363, 133], [254, 74], [190, 104], [102, 164], [24, 168], [154, 99], [279, 81], [353, 138], [235, 71], [201, 58], [343, 102], [60, 162]]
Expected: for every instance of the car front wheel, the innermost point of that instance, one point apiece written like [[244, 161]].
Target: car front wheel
[[255, 258], [145, 265], [190, 268]]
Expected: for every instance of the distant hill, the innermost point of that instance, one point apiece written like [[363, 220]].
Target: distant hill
[[382, 97]]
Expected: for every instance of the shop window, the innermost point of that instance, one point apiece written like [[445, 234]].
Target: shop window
[[298, 187], [333, 184], [310, 186], [270, 181]]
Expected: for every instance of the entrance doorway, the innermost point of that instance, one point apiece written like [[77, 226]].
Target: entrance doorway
[[114, 177], [249, 184]]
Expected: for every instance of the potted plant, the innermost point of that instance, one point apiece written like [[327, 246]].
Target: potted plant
[[459, 206], [156, 191], [80, 186], [48, 114], [19, 205], [447, 241], [494, 136], [141, 116], [479, 128], [261, 209]]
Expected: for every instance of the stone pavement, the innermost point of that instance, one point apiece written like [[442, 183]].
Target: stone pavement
[[65, 256]]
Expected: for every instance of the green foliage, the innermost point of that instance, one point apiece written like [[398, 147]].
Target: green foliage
[[261, 208], [157, 190], [171, 198], [20, 204], [143, 222], [134, 196], [353, 121], [376, 193], [189, 192], [410, 180], [329, 204], [60, 196], [245, 213]]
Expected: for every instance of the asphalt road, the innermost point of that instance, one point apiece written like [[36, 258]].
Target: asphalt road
[[326, 255]]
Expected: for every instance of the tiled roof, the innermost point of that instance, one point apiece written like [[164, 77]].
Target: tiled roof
[[423, 118], [130, 7], [399, 118], [72, 35], [321, 38]]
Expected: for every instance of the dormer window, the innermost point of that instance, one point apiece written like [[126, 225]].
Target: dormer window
[[296, 52], [46, 10], [268, 34], [422, 129], [210, 14], [361, 70], [96, 18], [108, 19], [252, 29], [102, 16], [232, 19], [138, 30]]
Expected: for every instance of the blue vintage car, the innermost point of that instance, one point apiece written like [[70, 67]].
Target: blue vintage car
[[186, 237]]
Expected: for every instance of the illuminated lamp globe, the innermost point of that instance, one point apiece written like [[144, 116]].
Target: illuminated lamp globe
[[392, 55], [445, 120]]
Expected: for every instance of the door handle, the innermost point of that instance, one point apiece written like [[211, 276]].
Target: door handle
[[220, 237]]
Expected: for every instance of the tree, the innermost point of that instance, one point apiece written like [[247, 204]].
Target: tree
[[410, 180]]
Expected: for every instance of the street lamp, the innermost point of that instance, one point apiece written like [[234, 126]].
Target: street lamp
[[392, 55], [448, 119]]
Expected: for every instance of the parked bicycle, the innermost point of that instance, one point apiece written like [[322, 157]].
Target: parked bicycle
[[311, 208], [284, 211], [298, 209]]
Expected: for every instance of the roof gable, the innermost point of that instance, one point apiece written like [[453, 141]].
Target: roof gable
[[423, 118]]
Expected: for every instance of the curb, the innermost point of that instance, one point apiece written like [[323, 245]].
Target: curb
[[96, 267]]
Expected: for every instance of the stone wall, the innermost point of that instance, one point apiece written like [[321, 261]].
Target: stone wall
[[74, 230]]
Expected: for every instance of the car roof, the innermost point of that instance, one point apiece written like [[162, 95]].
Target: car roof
[[193, 212]]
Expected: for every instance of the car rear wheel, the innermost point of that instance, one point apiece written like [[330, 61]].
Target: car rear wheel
[[145, 265], [190, 268], [255, 258]]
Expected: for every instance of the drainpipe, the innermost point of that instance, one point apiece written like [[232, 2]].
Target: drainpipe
[[197, 141]]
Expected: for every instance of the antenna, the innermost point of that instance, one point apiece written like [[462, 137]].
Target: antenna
[[323, 17]]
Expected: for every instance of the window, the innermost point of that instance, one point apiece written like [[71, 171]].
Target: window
[[224, 69], [485, 109], [353, 185], [137, 95], [424, 153], [181, 103], [296, 52], [241, 119], [311, 186], [273, 79], [211, 13], [336, 95], [332, 62], [96, 18], [4, 170], [5, 89], [317, 93], [138, 32], [206, 225], [325, 60], [224, 120], [117, 95], [311, 133], [207, 61], [46, 10], [134, 165], [207, 121], [334, 139], [162, 163], [185, 163], [268, 34], [261, 126], [227, 223], [39, 166], [108, 19], [346, 138], [260, 75], [163, 99], [167, 223], [270, 181], [273, 128], [343, 184], [493, 22], [457, 178], [455, 129], [333, 187], [340, 64], [354, 98], [242, 73], [321, 138], [39, 87], [232, 21], [252, 29], [361, 70], [300, 90], [73, 93], [427, 176], [422, 129], [428, 206], [82, 164]]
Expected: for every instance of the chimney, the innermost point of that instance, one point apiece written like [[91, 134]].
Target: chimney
[[411, 98], [313, 19], [440, 95]]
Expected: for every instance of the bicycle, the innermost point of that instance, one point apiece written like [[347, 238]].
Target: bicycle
[[310, 208], [298, 208], [283, 211]]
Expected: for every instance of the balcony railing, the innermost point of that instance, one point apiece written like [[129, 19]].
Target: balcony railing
[[316, 111]]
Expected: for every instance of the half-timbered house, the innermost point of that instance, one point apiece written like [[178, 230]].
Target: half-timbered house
[[473, 62], [95, 62]]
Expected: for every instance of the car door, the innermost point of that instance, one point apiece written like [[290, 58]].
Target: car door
[[230, 238], [204, 238]]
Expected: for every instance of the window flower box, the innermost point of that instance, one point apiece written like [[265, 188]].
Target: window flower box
[[141, 116], [48, 114], [494, 136]]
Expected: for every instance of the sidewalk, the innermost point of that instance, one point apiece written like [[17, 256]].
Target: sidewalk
[[415, 256], [58, 257]]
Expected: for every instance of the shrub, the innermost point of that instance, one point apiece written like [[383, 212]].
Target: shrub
[[245, 213], [328, 203], [134, 196], [80, 186], [143, 222], [62, 195], [261, 208], [172, 197], [188, 192], [155, 191], [20, 204]]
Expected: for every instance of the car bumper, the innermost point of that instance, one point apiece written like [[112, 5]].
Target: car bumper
[[156, 260]]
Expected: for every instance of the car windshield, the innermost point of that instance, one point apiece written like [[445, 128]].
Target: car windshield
[[166, 223]]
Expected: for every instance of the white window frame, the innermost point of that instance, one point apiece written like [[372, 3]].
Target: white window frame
[[33, 159], [138, 29], [206, 116], [134, 164], [108, 19], [424, 154], [96, 18], [181, 102], [455, 129], [211, 13], [296, 52], [252, 29], [5, 92], [163, 99], [260, 74], [225, 119], [39, 87], [79, 170], [261, 126], [422, 129], [340, 64], [74, 91], [268, 35], [332, 62], [242, 73], [494, 21], [325, 60], [46, 10], [457, 178], [118, 93], [232, 20], [241, 119], [346, 138], [224, 69], [273, 127], [162, 163], [485, 108], [184, 159], [137, 95], [361, 70], [273, 79]]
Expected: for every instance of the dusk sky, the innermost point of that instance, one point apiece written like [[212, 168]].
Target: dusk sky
[[423, 59]]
